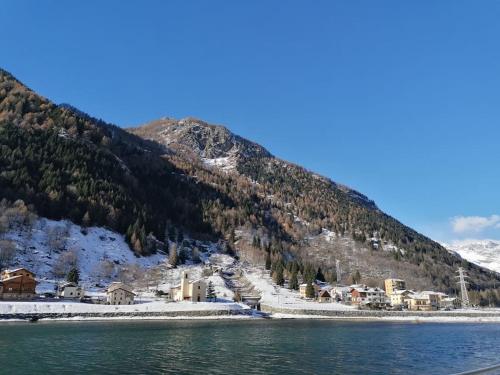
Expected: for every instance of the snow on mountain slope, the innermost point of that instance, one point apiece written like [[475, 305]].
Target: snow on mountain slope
[[100, 253], [485, 253]]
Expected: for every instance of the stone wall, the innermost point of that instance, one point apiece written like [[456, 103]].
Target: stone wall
[[381, 313], [106, 315]]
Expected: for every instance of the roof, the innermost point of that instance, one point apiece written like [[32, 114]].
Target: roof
[[427, 292], [69, 284], [12, 278], [403, 291], [17, 269], [116, 286], [324, 293], [396, 280]]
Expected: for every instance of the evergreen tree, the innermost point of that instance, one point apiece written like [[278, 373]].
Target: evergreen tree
[[180, 236], [310, 290], [268, 261], [356, 277], [278, 275], [319, 275], [211, 296], [293, 283], [73, 276]]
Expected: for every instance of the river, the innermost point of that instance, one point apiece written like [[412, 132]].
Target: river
[[246, 347]]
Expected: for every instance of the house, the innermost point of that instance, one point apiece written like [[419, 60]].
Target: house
[[341, 293], [400, 297], [392, 285], [194, 291], [18, 283], [70, 290], [119, 294], [363, 295], [324, 296], [423, 301], [303, 288]]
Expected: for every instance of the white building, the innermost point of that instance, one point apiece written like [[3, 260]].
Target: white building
[[365, 295], [194, 291], [400, 297], [70, 290], [341, 293]]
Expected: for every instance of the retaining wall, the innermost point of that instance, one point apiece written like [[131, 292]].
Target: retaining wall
[[381, 313]]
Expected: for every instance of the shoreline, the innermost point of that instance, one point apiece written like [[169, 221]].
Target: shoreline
[[33, 312]]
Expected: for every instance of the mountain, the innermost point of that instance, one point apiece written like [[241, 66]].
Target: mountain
[[322, 221], [176, 178], [485, 253]]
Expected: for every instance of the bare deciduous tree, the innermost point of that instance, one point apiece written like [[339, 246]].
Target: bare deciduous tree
[[7, 253], [65, 263], [56, 238]]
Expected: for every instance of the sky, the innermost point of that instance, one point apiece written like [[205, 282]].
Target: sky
[[396, 99]]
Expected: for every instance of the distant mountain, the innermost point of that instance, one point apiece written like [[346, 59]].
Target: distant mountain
[[485, 253], [175, 177]]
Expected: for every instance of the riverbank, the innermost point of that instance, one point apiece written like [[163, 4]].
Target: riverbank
[[38, 310], [161, 310], [454, 316]]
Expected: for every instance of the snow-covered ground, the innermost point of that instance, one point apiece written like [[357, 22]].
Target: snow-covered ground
[[103, 256], [100, 253], [158, 306], [275, 296], [225, 164], [485, 253]]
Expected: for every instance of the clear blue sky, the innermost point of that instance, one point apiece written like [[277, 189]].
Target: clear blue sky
[[397, 99]]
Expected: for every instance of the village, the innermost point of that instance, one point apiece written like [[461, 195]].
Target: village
[[20, 284]]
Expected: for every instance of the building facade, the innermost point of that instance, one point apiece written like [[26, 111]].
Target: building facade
[[194, 291], [71, 290], [303, 290], [391, 285], [324, 296], [368, 296], [18, 283], [423, 301], [119, 294], [400, 297]]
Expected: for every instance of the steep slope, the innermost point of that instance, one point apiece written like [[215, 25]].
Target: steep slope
[[485, 253], [173, 177], [69, 165], [320, 221]]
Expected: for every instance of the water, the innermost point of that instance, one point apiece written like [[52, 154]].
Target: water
[[245, 347]]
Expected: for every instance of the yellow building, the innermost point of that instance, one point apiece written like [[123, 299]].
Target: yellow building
[[393, 284], [400, 297], [424, 301], [194, 291], [303, 288]]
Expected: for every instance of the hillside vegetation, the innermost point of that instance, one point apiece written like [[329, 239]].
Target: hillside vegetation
[[192, 177]]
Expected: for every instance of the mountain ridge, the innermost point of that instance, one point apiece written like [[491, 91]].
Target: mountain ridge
[[69, 165]]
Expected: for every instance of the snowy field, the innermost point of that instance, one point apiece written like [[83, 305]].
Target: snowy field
[[275, 296], [32, 307], [100, 253]]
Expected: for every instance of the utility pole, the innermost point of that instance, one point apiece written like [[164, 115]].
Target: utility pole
[[463, 287], [338, 270]]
